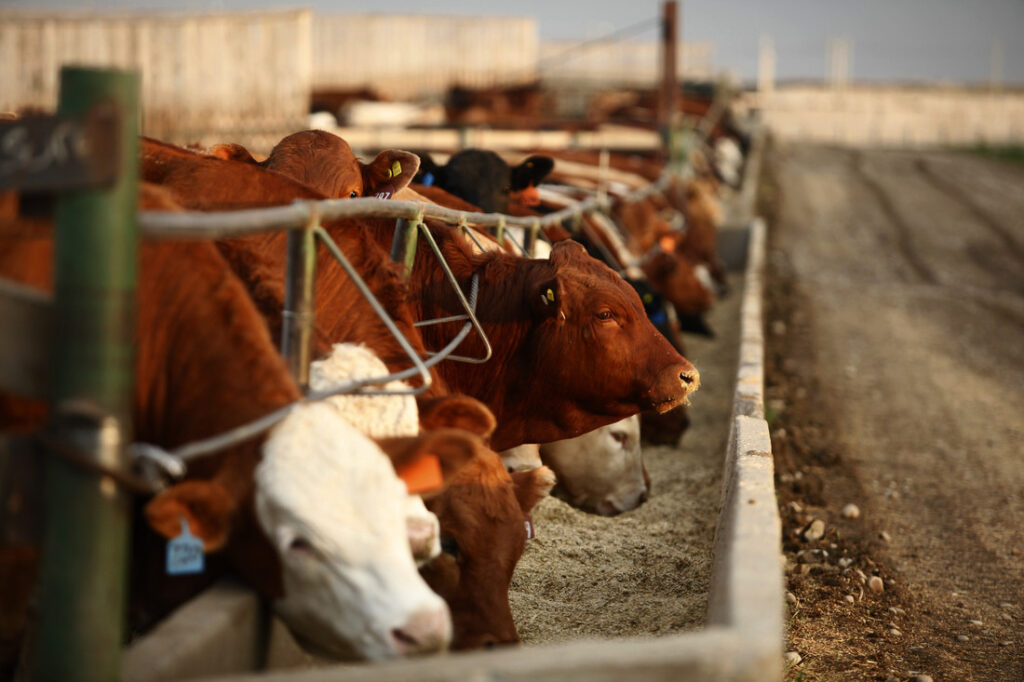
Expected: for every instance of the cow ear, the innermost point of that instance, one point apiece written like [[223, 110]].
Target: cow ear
[[532, 486], [391, 171], [429, 173], [206, 505], [231, 152], [456, 411], [565, 251], [547, 299], [530, 172], [430, 460]]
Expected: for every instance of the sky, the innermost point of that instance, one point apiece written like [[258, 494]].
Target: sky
[[892, 40]]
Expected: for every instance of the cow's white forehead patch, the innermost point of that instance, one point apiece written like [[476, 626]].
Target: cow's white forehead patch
[[377, 416]]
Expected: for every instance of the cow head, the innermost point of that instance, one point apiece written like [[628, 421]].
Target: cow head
[[325, 162], [592, 356], [484, 179], [602, 471], [334, 524], [484, 516], [686, 286]]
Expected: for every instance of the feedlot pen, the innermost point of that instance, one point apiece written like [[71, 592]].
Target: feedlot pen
[[644, 572], [687, 587]]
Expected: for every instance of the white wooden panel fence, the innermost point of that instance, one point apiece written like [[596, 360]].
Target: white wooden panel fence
[[208, 77], [403, 56]]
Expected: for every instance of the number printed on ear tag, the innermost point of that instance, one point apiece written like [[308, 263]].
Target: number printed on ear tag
[[184, 553]]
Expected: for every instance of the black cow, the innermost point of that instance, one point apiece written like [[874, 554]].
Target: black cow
[[482, 177]]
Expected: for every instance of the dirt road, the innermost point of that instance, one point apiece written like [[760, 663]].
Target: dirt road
[[896, 382]]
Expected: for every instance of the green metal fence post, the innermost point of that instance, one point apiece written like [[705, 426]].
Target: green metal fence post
[[83, 579], [403, 244], [297, 316]]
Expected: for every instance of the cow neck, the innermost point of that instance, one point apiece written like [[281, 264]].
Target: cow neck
[[341, 313], [501, 309], [347, 316]]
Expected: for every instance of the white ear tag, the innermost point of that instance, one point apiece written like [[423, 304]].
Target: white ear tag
[[184, 553]]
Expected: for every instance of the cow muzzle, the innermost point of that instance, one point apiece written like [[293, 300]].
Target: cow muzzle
[[426, 631], [674, 386]]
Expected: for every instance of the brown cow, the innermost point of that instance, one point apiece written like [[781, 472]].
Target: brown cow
[[485, 522], [325, 162], [696, 199]]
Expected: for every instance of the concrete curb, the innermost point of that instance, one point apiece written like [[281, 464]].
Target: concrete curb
[[746, 593]]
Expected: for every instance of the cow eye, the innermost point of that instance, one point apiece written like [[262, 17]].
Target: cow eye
[[301, 544], [605, 315], [620, 437], [353, 194], [449, 545]]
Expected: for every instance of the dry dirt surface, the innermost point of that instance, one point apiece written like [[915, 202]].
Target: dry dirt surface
[[644, 572], [896, 383]]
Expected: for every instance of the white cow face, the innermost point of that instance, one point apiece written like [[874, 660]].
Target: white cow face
[[601, 471], [329, 501], [379, 416]]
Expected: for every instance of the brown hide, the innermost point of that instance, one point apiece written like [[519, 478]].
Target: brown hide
[[341, 313], [483, 515], [204, 364]]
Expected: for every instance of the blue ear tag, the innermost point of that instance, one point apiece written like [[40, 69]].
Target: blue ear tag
[[428, 179], [184, 553]]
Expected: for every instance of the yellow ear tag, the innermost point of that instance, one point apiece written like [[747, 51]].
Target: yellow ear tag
[[550, 295], [396, 169], [648, 298]]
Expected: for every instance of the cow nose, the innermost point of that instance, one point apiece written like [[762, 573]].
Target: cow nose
[[428, 630], [644, 496], [690, 379]]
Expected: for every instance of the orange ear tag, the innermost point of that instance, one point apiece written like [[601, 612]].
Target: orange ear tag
[[668, 243], [422, 474]]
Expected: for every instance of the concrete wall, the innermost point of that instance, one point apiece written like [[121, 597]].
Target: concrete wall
[[891, 116], [627, 63]]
